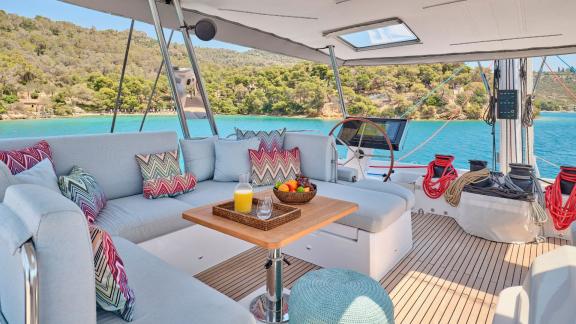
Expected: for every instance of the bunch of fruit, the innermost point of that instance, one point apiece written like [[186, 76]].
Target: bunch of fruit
[[300, 184]]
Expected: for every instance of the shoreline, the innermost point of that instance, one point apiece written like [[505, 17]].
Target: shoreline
[[169, 114]]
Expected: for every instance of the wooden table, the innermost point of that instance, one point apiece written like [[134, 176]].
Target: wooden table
[[321, 211]]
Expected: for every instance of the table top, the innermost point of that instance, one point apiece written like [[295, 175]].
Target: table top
[[316, 214]]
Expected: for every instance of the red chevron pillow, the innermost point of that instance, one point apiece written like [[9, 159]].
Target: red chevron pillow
[[169, 187], [112, 291], [24, 159], [269, 167]]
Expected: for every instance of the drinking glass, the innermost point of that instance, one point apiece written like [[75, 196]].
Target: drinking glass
[[264, 209]]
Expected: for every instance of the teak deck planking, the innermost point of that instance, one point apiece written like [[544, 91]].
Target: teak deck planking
[[448, 277]]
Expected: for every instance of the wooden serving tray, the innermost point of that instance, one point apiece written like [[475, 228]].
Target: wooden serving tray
[[281, 214]]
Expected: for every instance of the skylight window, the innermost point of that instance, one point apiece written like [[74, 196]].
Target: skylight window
[[384, 33]]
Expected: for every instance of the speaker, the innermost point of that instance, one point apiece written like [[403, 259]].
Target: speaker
[[205, 29]]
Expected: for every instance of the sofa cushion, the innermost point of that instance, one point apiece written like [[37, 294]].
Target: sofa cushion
[[316, 154], [269, 140], [139, 219], [207, 192], [158, 165], [112, 291], [388, 187], [166, 295], [376, 210], [232, 158], [81, 187], [169, 187], [199, 157], [41, 174], [25, 158], [108, 157], [6, 179], [278, 165]]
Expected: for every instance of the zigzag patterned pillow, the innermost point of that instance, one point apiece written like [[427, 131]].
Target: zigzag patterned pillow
[[269, 167], [81, 187], [268, 140], [159, 165], [112, 291], [26, 158], [169, 187]]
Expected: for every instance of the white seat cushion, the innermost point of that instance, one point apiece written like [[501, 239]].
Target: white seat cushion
[[207, 192], [166, 295], [139, 219], [376, 210], [388, 187]]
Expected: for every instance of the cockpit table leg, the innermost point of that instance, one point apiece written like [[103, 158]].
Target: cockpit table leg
[[272, 306]]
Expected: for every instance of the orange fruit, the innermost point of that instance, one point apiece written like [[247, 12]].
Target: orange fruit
[[283, 188], [292, 184], [307, 189]]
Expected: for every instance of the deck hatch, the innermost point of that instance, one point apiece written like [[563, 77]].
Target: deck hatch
[[376, 34]]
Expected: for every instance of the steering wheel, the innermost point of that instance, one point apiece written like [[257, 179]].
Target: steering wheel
[[357, 153]]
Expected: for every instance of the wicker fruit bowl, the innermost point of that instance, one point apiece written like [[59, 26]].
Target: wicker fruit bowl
[[300, 191]]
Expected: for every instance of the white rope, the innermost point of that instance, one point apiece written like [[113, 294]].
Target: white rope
[[546, 161], [539, 215]]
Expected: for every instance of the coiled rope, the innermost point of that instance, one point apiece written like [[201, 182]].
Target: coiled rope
[[563, 214], [539, 215], [454, 192], [435, 187]]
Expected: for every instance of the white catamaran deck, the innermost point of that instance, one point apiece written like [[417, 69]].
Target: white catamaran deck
[[448, 277]]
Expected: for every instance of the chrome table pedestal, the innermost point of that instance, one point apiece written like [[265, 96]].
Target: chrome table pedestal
[[272, 306]]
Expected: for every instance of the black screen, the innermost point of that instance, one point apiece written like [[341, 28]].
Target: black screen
[[351, 133]]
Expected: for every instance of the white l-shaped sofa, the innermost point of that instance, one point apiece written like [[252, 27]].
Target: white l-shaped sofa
[[161, 251]]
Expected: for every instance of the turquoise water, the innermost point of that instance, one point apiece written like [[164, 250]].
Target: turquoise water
[[555, 133]]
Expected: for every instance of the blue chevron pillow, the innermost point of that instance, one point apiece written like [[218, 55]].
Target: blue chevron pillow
[[82, 188]]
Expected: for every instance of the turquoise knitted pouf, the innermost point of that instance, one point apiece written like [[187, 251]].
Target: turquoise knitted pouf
[[339, 296]]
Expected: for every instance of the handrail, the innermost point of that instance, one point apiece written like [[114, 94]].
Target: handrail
[[31, 286]]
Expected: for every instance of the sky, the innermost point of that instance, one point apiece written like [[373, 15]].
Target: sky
[[57, 10]]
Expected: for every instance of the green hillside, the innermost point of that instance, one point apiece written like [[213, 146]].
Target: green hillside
[[52, 68]]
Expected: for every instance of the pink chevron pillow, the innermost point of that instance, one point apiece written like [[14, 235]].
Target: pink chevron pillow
[[269, 167], [112, 291], [24, 159], [169, 187]]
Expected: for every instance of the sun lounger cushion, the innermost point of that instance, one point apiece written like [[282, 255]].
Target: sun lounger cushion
[[376, 210], [166, 295], [316, 154], [108, 157], [388, 187], [232, 158], [199, 157], [139, 219]]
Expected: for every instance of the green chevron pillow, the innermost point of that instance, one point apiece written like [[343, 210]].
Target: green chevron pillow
[[158, 165], [82, 188]]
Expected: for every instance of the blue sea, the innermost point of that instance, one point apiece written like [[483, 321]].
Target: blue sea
[[555, 134]]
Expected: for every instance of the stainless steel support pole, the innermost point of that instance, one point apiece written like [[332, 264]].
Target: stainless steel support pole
[[271, 307], [119, 94], [31, 284], [195, 66], [338, 82], [155, 85], [169, 68]]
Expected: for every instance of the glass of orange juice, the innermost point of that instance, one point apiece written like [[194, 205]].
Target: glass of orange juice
[[243, 195]]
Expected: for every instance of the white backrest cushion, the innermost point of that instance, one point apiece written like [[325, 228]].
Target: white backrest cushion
[[108, 157], [316, 154], [6, 179], [199, 157], [232, 158], [41, 174]]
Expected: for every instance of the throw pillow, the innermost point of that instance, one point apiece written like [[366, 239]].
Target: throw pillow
[[199, 157], [81, 187], [159, 165], [269, 167], [268, 140], [24, 159], [232, 159], [169, 187], [41, 174], [112, 291], [6, 179]]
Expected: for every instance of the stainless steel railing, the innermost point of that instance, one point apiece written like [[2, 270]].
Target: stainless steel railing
[[31, 286]]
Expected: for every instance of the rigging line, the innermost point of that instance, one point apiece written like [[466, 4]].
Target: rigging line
[[548, 162], [557, 79], [421, 101], [540, 70], [572, 69]]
